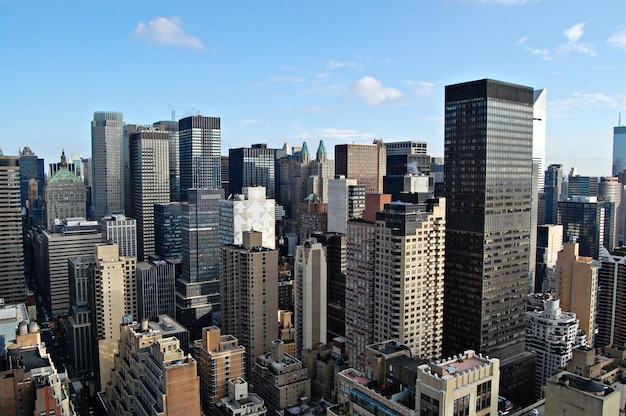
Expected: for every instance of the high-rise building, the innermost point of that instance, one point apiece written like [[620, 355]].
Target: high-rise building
[[552, 335], [156, 280], [249, 294], [77, 237], [409, 270], [611, 304], [65, 196], [81, 271], [79, 339], [488, 178], [409, 157], [121, 230], [149, 182], [252, 166], [107, 156], [610, 190], [577, 287], [619, 150], [199, 141], [589, 221], [360, 289], [540, 104], [549, 243], [321, 170], [240, 402], [168, 239], [197, 289], [249, 211], [346, 201], [553, 184], [152, 375], [12, 282], [31, 167], [220, 358], [114, 301], [171, 127], [367, 163], [310, 303], [582, 186]]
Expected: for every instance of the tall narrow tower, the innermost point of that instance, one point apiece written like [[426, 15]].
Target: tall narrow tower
[[488, 171], [107, 138]]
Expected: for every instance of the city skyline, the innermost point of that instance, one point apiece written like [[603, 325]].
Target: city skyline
[[287, 72]]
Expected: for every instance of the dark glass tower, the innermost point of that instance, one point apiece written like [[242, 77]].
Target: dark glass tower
[[252, 166], [552, 188], [488, 173]]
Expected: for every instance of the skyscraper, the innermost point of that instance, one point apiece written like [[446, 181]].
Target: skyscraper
[[65, 196], [488, 176], [168, 240], [12, 282], [611, 304], [107, 155], [540, 101], [252, 166], [553, 184], [619, 150], [589, 221], [155, 286], [367, 163], [31, 167], [199, 141], [171, 127], [150, 183], [121, 230]]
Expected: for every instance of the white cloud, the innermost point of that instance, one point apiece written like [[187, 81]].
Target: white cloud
[[422, 88], [373, 92], [522, 40], [618, 40], [167, 31], [337, 64], [251, 121], [585, 100], [573, 35], [544, 54], [345, 134]]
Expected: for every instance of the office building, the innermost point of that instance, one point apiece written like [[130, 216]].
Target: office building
[[320, 171], [121, 230], [611, 305], [156, 280], [552, 335], [280, 379], [488, 178], [249, 211], [553, 184], [589, 221], [77, 237], [310, 302], [408, 157], [220, 359], [197, 289], [81, 270], [252, 166], [611, 189], [367, 163], [540, 104], [31, 167], [149, 183], [168, 327], [113, 298], [79, 334], [65, 196], [225, 173], [577, 287], [346, 201], [619, 150], [199, 141], [467, 385], [582, 185], [360, 260], [152, 375], [12, 282], [168, 239], [249, 294], [171, 127], [107, 163], [409, 270], [549, 243], [313, 219], [569, 394]]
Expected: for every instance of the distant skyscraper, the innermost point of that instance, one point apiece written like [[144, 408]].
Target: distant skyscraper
[[488, 178], [156, 280], [582, 186], [346, 201], [168, 239], [619, 150], [12, 282], [408, 157], [107, 153], [65, 196], [171, 127], [367, 163], [549, 243], [252, 166], [539, 133], [199, 141], [31, 167], [553, 184], [610, 190], [249, 294], [197, 290], [409, 270], [589, 221], [611, 303], [150, 183]]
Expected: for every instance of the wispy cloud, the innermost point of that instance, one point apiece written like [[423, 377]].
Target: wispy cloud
[[618, 40], [251, 121], [168, 32], [373, 92], [573, 35], [421, 88], [345, 134], [558, 109], [544, 54], [338, 64], [522, 40]]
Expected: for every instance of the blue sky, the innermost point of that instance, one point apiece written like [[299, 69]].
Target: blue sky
[[294, 71]]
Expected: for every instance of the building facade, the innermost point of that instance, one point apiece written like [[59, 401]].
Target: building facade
[[156, 280], [589, 221], [252, 166], [65, 196], [168, 238], [199, 139], [611, 301], [367, 163], [121, 230]]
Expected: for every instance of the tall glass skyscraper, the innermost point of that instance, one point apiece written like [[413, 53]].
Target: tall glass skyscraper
[[619, 150], [107, 136], [199, 141], [488, 185]]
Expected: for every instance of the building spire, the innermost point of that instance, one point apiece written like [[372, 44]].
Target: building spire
[[63, 159], [304, 153], [321, 152]]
